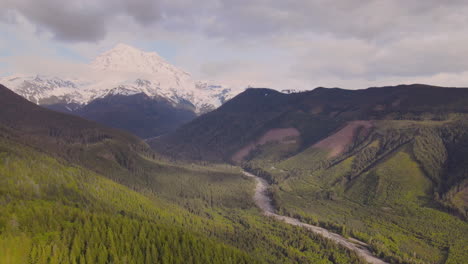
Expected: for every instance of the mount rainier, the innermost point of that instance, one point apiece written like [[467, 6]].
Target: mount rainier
[[123, 70]]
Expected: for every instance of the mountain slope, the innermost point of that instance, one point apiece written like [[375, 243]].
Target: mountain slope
[[384, 165], [138, 114], [58, 213], [393, 186], [172, 97], [64, 213], [59, 206], [219, 134], [69, 137]]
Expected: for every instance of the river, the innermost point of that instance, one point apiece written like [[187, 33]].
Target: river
[[263, 201]]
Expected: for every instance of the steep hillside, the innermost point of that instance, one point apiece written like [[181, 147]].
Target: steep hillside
[[149, 95], [396, 187], [384, 165], [36, 125], [138, 114], [219, 134], [59, 206], [73, 138], [59, 213]]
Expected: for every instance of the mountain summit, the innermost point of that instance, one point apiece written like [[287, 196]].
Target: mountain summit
[[123, 70], [125, 58]]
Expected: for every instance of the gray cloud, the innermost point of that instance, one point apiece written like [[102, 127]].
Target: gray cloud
[[427, 55], [358, 58], [349, 39], [369, 19], [144, 12], [88, 20], [82, 20]]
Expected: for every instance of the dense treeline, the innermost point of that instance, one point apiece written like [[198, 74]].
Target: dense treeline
[[66, 214], [441, 152], [50, 233], [56, 206], [400, 189], [430, 152]]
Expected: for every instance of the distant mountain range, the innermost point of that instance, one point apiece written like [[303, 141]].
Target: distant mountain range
[[119, 72]]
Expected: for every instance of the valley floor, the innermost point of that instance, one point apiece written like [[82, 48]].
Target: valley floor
[[57, 212], [264, 202]]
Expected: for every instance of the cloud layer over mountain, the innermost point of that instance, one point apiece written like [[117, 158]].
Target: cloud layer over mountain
[[303, 43]]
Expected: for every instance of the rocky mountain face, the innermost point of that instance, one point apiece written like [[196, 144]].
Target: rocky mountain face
[[124, 71]]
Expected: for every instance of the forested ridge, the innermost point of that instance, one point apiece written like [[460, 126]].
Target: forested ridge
[[66, 214], [76, 192], [400, 188], [73, 191], [385, 165], [217, 135], [53, 213]]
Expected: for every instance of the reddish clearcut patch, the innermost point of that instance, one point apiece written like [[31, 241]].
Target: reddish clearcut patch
[[338, 142], [464, 195], [282, 135]]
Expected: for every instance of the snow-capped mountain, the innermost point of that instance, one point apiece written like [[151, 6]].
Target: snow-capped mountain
[[123, 70]]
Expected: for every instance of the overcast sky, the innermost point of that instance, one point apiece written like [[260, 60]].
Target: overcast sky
[[282, 44]]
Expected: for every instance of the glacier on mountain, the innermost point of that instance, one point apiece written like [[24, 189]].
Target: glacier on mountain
[[123, 70]]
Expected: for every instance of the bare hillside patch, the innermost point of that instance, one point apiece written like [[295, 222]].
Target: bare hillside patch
[[283, 135], [338, 142]]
